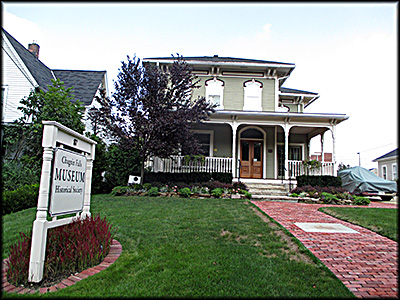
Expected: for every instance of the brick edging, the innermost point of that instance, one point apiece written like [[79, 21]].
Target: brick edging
[[112, 256]]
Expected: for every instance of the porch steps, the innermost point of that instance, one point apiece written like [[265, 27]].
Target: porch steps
[[270, 191]]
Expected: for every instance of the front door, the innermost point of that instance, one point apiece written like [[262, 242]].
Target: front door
[[251, 159]]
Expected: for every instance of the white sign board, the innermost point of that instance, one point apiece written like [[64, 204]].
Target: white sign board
[[67, 182]]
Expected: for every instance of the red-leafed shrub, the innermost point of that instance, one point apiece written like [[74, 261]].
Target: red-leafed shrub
[[70, 249]]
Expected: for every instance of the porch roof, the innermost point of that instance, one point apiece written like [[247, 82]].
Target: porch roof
[[280, 116]]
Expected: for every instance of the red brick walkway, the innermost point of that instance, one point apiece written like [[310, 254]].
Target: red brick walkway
[[115, 252], [365, 262]]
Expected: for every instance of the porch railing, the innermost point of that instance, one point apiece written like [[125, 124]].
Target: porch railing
[[178, 164], [296, 168]]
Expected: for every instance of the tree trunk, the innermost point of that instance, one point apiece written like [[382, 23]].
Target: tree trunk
[[142, 172]]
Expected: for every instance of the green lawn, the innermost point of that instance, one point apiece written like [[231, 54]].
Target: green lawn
[[381, 220], [175, 247]]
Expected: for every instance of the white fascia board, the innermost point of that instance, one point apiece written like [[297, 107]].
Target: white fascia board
[[18, 61], [339, 117], [298, 95], [240, 64]]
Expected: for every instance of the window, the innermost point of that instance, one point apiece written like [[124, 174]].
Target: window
[[384, 172], [252, 95], [295, 153], [205, 140], [215, 92], [394, 171]]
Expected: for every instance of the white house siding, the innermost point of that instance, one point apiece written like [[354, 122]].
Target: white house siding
[[18, 84], [389, 162]]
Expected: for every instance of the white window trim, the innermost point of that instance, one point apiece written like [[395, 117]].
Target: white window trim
[[211, 133], [294, 144], [221, 90], [394, 175], [384, 172], [4, 98], [246, 105]]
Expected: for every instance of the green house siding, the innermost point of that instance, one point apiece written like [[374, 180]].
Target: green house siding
[[233, 97], [268, 95]]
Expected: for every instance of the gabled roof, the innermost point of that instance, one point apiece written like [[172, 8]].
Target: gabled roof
[[387, 155], [39, 70], [85, 83]]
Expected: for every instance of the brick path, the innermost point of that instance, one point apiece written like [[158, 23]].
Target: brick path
[[115, 252], [365, 262]]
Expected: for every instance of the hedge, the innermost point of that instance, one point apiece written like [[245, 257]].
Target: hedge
[[321, 181], [22, 198], [187, 177]]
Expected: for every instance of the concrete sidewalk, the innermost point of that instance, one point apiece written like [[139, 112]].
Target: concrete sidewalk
[[364, 261]]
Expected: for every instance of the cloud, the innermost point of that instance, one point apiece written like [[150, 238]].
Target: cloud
[[23, 30]]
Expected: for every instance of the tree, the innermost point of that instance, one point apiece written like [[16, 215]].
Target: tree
[[23, 137], [342, 166], [152, 110]]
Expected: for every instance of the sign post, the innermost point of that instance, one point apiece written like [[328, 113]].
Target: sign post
[[65, 181]]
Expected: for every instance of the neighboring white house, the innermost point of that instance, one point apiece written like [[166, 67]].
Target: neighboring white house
[[22, 71], [387, 165]]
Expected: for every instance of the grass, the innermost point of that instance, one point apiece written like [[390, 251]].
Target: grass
[[380, 220], [175, 247]]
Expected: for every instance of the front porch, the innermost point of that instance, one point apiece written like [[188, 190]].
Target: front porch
[[181, 164], [256, 145]]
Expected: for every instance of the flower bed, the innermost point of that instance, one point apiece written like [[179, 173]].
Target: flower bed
[[212, 189], [327, 195]]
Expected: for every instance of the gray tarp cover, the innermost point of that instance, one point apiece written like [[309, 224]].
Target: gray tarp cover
[[358, 180]]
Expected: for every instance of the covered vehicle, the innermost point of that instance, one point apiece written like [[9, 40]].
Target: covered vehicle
[[360, 181]]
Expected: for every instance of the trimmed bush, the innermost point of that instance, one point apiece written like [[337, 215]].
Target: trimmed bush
[[194, 177], [70, 249], [217, 193], [119, 190], [152, 192], [359, 200], [321, 181], [185, 192], [22, 198]]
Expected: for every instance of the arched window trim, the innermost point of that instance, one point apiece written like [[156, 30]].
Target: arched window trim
[[212, 89], [253, 103]]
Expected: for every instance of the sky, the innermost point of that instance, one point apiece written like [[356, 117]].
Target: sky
[[345, 52]]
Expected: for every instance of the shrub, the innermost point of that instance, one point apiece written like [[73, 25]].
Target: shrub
[[119, 190], [328, 198], [217, 193], [216, 184], [359, 200], [294, 195], [188, 178], [247, 194], [70, 249], [240, 185], [321, 181], [22, 198], [147, 186], [152, 192], [185, 192]]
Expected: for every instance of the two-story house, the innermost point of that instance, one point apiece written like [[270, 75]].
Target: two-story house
[[22, 71], [260, 131]]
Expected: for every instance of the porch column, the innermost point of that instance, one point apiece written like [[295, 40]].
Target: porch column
[[322, 147], [286, 129], [334, 149], [234, 126]]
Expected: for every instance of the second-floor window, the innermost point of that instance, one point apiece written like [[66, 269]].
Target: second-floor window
[[252, 96], [215, 92]]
